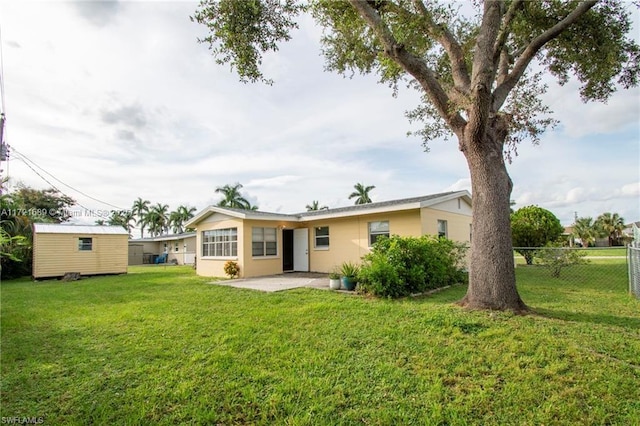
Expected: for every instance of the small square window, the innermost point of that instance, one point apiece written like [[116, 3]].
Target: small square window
[[264, 242], [322, 237], [377, 230], [85, 244]]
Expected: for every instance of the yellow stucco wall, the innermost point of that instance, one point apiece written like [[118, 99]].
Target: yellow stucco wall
[[349, 237], [56, 254], [249, 266], [458, 225], [268, 265], [213, 267]]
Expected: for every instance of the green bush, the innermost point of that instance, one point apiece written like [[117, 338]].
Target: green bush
[[555, 257], [401, 266]]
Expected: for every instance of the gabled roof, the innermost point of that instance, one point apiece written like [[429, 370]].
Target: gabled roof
[[55, 228], [370, 208]]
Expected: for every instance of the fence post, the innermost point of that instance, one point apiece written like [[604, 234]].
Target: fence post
[[633, 261]]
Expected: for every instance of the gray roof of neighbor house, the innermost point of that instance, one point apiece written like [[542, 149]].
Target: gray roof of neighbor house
[[168, 237], [55, 228], [382, 206]]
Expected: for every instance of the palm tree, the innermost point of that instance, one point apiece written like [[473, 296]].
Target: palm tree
[[584, 228], [361, 193], [315, 206], [140, 209], [178, 217], [232, 197], [157, 219], [122, 218], [611, 226]]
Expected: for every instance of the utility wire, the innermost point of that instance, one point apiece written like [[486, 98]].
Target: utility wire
[[52, 185], [24, 157]]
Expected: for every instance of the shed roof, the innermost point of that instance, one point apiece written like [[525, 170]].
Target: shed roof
[[54, 228]]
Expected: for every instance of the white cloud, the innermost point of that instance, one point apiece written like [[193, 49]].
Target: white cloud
[[128, 104]]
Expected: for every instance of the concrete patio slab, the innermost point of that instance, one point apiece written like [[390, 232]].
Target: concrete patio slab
[[280, 282]]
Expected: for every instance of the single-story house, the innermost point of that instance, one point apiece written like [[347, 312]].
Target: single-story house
[[320, 241], [87, 250], [180, 249]]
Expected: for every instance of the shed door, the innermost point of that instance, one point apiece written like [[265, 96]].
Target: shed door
[[301, 250]]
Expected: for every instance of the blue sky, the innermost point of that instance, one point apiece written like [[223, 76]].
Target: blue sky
[[118, 100]]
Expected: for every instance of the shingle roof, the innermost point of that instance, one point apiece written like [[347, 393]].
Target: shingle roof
[[169, 237], [372, 206], [54, 228], [404, 203]]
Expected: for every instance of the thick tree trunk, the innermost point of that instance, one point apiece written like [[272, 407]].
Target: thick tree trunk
[[492, 283]]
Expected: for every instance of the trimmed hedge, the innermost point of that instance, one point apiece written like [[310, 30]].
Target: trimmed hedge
[[401, 266]]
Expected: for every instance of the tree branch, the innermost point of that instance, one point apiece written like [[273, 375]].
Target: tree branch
[[502, 91], [483, 72], [446, 39], [506, 29], [411, 64]]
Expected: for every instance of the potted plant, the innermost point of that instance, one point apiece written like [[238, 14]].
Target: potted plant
[[349, 272], [334, 280]]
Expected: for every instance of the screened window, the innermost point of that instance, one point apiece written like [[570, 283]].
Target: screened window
[[264, 242], [220, 242], [322, 237], [378, 229], [177, 248], [442, 228], [85, 244]]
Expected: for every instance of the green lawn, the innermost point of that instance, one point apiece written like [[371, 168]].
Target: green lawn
[[162, 346]]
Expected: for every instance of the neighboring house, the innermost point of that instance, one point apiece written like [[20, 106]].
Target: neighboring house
[[272, 243], [180, 249], [88, 250]]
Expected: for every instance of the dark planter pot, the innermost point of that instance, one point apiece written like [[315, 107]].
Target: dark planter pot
[[349, 283]]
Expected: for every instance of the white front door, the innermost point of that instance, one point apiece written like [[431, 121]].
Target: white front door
[[301, 250]]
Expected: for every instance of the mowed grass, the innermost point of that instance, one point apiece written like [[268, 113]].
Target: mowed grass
[[163, 346]]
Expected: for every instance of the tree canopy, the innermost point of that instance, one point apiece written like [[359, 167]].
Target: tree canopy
[[361, 193], [479, 68], [231, 197], [533, 226]]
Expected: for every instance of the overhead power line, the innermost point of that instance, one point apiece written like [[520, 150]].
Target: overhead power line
[[24, 159]]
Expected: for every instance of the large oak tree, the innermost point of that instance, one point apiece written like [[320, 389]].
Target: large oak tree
[[479, 69]]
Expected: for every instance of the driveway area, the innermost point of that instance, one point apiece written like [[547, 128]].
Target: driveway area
[[280, 282]]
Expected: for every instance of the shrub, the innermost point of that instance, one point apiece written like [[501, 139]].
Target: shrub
[[555, 257], [231, 268], [533, 226], [401, 266]]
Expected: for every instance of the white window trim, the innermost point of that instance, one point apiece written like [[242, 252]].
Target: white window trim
[[82, 245], [315, 239], [218, 257], [266, 256], [388, 233], [446, 228]]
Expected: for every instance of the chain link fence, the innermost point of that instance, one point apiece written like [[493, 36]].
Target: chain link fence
[[633, 262], [595, 268]]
